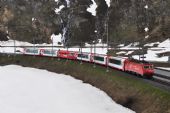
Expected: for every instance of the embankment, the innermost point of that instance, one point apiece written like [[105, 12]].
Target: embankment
[[123, 88]]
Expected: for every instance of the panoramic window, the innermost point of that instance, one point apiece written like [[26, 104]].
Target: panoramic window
[[98, 58], [32, 50], [83, 56], [113, 61]]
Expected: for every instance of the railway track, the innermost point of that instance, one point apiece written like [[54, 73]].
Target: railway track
[[162, 76]]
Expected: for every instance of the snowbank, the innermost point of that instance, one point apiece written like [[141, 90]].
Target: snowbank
[[39, 91], [165, 44], [152, 52]]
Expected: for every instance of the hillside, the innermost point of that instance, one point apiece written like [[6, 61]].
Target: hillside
[[35, 21]]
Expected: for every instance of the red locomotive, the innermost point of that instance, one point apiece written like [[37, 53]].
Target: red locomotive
[[142, 68]]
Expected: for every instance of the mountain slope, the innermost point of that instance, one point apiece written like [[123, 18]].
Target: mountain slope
[[35, 21]]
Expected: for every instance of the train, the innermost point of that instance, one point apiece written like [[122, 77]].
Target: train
[[129, 65]]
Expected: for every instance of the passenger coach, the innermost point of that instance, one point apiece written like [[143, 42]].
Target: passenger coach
[[116, 62], [99, 59]]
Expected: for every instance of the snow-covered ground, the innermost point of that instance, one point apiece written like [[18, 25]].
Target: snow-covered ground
[[152, 52], [29, 90]]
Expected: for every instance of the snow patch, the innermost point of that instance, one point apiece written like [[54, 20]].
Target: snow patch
[[108, 2], [165, 43], [68, 3], [57, 10], [146, 6], [146, 29], [39, 91], [92, 8], [34, 19], [151, 44], [121, 52], [56, 39]]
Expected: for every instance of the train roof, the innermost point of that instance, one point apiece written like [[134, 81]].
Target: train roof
[[139, 61]]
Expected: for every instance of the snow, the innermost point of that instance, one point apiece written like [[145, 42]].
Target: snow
[[131, 46], [151, 44], [11, 43], [165, 43], [129, 52], [146, 7], [68, 3], [56, 39], [152, 52], [57, 10], [147, 36], [33, 19], [146, 29], [124, 52], [152, 56], [121, 45], [121, 52], [39, 91], [92, 8], [108, 2]]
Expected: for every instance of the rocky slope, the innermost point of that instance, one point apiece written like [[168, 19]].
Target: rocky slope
[[34, 21]]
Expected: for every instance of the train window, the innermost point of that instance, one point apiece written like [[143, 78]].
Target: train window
[[49, 52], [83, 56], [35, 51], [79, 55], [53, 52], [27, 50], [32, 50], [99, 58], [118, 62]]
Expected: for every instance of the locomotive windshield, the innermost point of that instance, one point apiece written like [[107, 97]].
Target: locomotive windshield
[[148, 67]]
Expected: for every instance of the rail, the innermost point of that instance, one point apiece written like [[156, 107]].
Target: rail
[[162, 76]]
